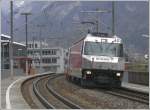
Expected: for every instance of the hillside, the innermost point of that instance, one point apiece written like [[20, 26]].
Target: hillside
[[63, 27]]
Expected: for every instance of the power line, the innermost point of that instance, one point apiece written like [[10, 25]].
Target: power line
[[96, 11]]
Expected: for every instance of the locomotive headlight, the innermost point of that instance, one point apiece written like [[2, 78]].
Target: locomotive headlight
[[88, 72], [118, 74]]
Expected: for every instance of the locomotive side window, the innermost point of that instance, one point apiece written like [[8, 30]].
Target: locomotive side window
[[120, 52]]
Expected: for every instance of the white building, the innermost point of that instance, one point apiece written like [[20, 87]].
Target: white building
[[53, 58]]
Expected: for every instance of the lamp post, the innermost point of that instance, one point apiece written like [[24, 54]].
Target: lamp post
[[26, 20], [145, 35], [11, 41]]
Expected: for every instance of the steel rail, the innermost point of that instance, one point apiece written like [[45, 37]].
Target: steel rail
[[24, 87], [39, 96], [129, 94], [60, 97], [140, 94], [45, 102]]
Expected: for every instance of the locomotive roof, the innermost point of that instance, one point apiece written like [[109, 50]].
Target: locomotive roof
[[92, 38]]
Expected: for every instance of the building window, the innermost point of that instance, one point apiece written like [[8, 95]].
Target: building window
[[49, 52], [43, 52], [50, 60], [29, 45], [36, 61], [32, 46], [54, 60], [53, 52], [35, 45], [31, 52], [43, 60]]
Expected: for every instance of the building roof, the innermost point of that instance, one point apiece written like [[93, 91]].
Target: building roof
[[19, 43], [6, 36]]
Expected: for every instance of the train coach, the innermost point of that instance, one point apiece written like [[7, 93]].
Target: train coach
[[96, 60]]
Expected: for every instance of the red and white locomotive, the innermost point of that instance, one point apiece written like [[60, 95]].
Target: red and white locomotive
[[96, 59]]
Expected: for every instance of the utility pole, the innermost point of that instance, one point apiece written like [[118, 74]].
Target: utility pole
[[26, 20], [97, 21], [113, 18], [40, 27], [11, 43]]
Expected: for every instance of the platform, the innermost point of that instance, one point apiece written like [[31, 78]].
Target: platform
[[11, 93], [137, 87]]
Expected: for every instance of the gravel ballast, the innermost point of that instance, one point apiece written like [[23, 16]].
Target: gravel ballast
[[93, 98]]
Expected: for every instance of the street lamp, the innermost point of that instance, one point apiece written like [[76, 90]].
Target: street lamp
[[145, 35], [146, 56], [26, 20]]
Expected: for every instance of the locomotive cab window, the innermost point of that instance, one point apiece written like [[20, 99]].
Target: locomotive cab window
[[103, 49]]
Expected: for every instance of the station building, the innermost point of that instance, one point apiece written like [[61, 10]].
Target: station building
[[18, 53], [53, 58]]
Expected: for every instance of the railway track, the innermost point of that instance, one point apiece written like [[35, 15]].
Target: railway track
[[63, 99], [130, 94], [47, 96], [27, 92]]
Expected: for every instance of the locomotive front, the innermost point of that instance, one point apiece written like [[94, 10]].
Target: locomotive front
[[102, 60]]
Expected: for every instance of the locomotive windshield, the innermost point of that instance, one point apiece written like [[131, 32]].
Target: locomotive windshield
[[103, 49]]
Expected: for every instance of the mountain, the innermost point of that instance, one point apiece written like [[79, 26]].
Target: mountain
[[62, 20]]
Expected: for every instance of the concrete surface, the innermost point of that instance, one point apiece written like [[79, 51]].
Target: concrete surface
[[137, 87], [15, 95]]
